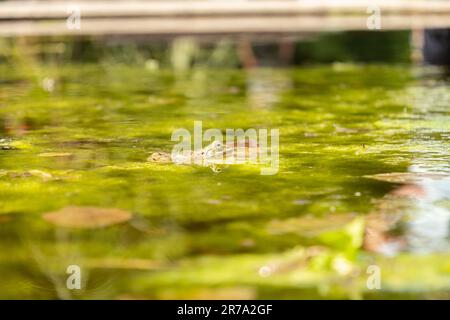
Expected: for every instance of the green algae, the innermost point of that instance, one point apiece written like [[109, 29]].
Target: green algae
[[196, 229]]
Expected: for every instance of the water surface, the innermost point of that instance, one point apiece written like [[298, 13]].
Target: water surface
[[78, 134]]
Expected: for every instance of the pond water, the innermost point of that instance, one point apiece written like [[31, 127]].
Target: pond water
[[76, 135]]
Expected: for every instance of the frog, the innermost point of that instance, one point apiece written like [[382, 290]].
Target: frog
[[216, 155], [211, 156]]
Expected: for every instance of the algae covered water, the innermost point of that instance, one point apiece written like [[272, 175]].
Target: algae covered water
[[362, 189]]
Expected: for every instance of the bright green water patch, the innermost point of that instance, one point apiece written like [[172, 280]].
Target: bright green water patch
[[80, 135]]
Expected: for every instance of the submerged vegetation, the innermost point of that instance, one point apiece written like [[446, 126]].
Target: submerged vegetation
[[363, 178]]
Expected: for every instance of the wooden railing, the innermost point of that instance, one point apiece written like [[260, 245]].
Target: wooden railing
[[216, 16]]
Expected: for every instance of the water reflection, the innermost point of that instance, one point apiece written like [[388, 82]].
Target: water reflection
[[428, 223]]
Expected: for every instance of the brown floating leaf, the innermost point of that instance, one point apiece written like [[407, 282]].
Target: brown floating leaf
[[40, 174], [26, 174], [225, 293], [4, 218], [377, 237], [407, 177], [55, 154], [87, 217], [386, 217], [409, 190], [230, 293]]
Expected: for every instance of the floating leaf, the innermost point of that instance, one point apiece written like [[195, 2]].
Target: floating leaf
[[227, 293], [26, 174], [407, 177], [87, 217], [409, 190], [5, 218], [41, 174], [382, 224], [55, 154]]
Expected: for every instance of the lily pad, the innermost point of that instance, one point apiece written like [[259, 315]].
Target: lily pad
[[407, 177], [87, 217]]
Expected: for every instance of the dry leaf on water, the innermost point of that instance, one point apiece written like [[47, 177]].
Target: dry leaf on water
[[4, 218], [55, 154], [87, 217]]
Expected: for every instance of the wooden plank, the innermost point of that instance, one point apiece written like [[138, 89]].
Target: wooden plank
[[52, 9], [216, 16], [202, 26]]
